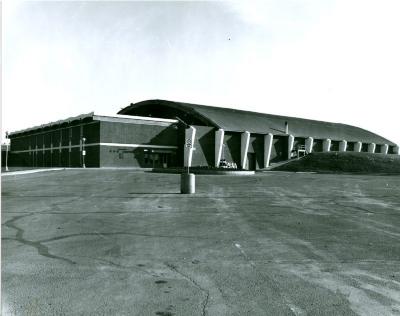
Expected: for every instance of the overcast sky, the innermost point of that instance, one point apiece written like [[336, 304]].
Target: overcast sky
[[327, 60]]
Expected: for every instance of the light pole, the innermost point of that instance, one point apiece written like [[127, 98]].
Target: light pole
[[83, 152], [7, 151]]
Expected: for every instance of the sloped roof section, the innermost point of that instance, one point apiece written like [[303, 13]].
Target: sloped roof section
[[258, 123]]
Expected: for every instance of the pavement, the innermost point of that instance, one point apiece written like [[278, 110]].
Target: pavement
[[123, 242]]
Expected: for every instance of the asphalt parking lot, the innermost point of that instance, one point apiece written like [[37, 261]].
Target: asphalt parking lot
[[120, 242]]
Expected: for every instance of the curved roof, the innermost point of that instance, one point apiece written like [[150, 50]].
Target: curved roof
[[253, 122]]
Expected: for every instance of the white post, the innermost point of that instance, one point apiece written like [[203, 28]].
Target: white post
[[290, 145], [244, 147], [384, 149], [267, 148], [7, 156], [309, 145], [357, 147], [326, 145], [219, 141], [190, 134], [371, 148], [396, 150], [343, 145]]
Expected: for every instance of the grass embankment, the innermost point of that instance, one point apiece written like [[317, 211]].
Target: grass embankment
[[346, 162]]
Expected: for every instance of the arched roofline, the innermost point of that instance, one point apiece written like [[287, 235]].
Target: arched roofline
[[232, 120], [186, 107]]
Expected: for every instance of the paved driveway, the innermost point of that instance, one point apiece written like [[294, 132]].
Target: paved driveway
[[120, 242]]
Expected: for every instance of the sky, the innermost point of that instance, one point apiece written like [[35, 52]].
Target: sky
[[328, 60]]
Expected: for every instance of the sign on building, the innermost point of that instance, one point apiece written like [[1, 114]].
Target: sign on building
[[188, 143]]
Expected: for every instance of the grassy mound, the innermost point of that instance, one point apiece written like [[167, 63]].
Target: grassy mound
[[345, 162]]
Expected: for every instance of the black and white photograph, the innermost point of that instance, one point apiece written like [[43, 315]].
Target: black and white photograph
[[205, 158]]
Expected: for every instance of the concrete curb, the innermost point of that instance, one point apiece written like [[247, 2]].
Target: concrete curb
[[22, 172], [220, 172], [207, 172]]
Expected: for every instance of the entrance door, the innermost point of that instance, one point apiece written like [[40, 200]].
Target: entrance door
[[157, 160]]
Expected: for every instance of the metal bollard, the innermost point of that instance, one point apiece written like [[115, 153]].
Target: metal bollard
[[188, 183]]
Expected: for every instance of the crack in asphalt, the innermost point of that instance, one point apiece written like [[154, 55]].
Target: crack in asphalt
[[19, 236], [275, 262], [205, 302], [122, 233]]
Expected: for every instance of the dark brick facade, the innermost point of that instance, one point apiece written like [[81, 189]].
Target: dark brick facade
[[106, 141]]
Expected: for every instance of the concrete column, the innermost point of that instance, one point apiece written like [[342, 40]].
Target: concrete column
[[244, 147], [343, 145], [357, 147], [309, 145], [371, 147], [267, 148], [384, 149], [290, 145], [396, 150], [326, 145], [219, 141], [190, 134]]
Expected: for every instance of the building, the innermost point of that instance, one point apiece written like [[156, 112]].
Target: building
[[97, 141], [159, 133]]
